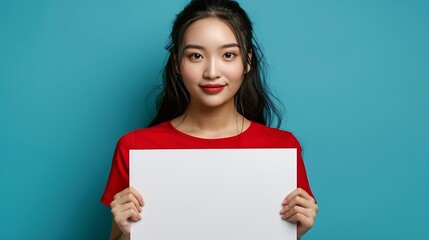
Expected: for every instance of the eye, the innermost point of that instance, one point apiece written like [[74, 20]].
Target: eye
[[229, 55], [196, 56]]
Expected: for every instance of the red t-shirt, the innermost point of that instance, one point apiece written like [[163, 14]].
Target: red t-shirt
[[165, 136]]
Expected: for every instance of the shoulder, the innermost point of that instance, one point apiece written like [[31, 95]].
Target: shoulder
[[133, 138], [274, 135]]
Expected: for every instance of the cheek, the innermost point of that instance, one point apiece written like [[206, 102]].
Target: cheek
[[189, 75], [234, 73]]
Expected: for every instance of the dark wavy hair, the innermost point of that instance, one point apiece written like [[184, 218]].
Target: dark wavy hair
[[253, 100]]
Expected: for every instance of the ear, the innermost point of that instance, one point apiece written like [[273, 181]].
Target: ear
[[249, 57], [175, 64]]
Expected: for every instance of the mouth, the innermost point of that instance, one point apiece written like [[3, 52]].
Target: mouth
[[212, 88]]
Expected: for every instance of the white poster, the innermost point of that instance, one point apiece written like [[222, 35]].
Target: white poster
[[212, 194]]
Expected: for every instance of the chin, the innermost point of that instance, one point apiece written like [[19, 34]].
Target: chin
[[213, 104]]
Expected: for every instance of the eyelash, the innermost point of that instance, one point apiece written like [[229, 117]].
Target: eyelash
[[197, 56], [194, 55], [229, 53]]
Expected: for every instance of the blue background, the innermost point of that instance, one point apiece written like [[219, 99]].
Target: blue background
[[353, 76]]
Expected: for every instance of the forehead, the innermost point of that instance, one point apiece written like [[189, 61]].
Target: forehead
[[209, 32]]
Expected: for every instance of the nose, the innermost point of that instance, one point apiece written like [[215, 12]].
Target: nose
[[211, 71]]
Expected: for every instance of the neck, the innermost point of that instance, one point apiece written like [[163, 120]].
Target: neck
[[207, 122]]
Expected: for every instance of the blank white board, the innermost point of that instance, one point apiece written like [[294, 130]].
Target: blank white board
[[213, 194]]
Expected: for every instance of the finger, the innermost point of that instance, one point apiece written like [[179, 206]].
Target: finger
[[122, 210], [123, 193], [134, 215], [124, 201], [297, 209], [137, 195], [123, 218], [132, 191], [125, 197], [300, 201], [297, 192]]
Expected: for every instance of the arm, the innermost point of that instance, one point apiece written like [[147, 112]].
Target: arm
[[116, 232]]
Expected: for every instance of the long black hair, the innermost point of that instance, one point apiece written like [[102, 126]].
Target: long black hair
[[253, 100]]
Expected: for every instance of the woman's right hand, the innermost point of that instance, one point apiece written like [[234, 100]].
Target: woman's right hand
[[126, 207]]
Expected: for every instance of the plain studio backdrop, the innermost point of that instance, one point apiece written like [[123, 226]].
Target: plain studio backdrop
[[353, 76]]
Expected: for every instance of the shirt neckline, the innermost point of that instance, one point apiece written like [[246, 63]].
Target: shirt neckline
[[238, 136]]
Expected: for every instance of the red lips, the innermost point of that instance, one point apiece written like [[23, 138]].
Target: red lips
[[212, 88]]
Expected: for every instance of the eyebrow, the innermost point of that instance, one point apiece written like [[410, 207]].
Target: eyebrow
[[202, 48]]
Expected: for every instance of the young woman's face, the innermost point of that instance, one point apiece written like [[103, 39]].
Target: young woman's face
[[212, 66]]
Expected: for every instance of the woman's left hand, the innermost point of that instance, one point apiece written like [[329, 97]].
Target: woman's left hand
[[299, 207]]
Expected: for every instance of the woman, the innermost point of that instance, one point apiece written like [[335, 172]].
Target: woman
[[214, 96]]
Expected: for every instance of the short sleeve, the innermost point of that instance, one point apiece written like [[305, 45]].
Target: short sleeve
[[119, 171], [302, 180]]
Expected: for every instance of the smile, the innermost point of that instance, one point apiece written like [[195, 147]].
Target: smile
[[212, 88]]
